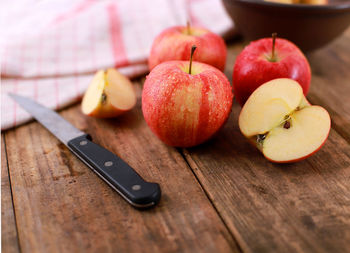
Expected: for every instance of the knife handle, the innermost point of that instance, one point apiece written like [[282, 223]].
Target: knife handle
[[117, 173]]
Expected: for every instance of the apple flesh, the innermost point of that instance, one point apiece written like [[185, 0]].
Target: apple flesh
[[184, 109], [109, 94], [279, 120], [255, 66], [175, 43]]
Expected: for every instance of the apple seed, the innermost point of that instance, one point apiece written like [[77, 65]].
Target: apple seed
[[286, 125], [260, 138], [103, 98]]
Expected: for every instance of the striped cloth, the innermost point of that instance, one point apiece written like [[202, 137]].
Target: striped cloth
[[50, 49]]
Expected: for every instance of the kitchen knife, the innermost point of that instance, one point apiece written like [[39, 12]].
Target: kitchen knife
[[112, 169]]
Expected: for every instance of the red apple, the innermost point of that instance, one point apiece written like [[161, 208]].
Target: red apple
[[185, 106], [283, 125], [175, 43], [263, 60]]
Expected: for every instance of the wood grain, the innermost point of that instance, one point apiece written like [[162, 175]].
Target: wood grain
[[301, 207], [330, 86], [233, 195], [9, 240], [62, 206]]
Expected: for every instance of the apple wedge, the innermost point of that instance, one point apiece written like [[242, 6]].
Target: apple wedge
[[283, 125], [109, 95]]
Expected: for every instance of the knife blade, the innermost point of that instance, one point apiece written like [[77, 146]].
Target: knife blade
[[111, 168]]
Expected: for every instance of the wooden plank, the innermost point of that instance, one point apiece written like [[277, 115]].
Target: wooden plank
[[301, 207], [330, 85], [9, 240], [61, 206]]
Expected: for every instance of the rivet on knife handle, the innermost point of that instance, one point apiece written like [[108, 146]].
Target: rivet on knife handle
[[117, 173]]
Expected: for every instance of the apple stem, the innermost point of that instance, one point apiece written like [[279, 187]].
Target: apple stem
[[273, 57], [188, 27], [192, 52]]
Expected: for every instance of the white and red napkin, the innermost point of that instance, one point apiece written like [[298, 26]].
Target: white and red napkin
[[50, 49]]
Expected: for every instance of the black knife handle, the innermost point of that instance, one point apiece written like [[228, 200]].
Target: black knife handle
[[117, 173]]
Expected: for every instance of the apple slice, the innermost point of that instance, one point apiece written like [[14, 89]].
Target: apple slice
[[109, 95], [279, 120]]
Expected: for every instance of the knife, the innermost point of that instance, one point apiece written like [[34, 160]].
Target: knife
[[112, 169]]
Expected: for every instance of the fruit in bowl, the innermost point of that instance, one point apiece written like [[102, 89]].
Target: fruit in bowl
[[175, 43], [184, 103], [282, 124], [319, 2], [267, 59], [109, 94], [283, 1], [309, 26]]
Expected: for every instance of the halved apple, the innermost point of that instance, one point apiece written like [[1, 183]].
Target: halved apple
[[279, 120], [109, 95]]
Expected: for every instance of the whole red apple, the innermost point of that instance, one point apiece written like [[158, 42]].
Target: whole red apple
[[185, 106], [267, 59], [175, 43]]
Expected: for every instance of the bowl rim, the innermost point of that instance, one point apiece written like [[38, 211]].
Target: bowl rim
[[337, 6]]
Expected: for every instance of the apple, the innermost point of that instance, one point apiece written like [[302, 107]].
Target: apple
[[299, 1], [184, 103], [317, 2], [267, 59], [283, 1], [283, 125], [109, 94], [175, 43]]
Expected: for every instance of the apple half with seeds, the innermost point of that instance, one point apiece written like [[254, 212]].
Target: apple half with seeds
[[283, 125], [109, 94]]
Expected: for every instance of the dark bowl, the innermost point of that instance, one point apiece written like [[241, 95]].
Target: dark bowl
[[308, 26]]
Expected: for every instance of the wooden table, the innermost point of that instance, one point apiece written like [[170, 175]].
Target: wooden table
[[222, 196]]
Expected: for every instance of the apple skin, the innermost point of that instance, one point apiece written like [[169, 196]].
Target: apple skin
[[175, 44], [185, 110], [252, 67]]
